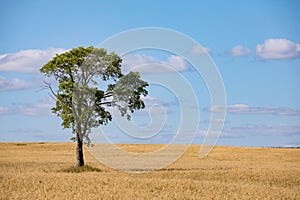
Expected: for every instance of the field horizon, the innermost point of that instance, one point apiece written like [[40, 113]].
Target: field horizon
[[43, 170]]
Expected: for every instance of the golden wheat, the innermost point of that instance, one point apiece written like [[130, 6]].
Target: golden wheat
[[44, 171]]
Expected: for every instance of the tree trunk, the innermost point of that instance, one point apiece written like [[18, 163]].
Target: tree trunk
[[79, 151]]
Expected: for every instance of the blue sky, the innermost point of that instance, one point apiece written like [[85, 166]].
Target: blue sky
[[254, 44]]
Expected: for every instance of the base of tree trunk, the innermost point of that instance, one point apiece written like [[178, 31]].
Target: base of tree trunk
[[79, 153]]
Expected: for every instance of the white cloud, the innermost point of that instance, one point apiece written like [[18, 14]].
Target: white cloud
[[154, 104], [151, 101], [278, 49], [176, 62], [13, 84], [27, 60], [246, 109], [239, 50], [199, 50], [150, 64]]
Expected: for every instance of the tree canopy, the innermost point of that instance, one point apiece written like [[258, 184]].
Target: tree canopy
[[90, 81]]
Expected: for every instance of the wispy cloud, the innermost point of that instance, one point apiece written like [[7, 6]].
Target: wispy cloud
[[27, 61], [278, 49], [153, 105], [25, 131], [153, 65], [239, 50], [151, 101], [6, 111], [293, 144], [199, 50], [13, 84], [259, 130], [40, 108], [215, 121], [247, 109]]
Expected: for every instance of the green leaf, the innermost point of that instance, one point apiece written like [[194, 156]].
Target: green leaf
[[79, 102]]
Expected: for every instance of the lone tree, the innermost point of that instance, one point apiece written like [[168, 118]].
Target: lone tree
[[89, 81]]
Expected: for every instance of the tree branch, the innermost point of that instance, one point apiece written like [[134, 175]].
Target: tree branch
[[48, 85], [110, 94], [108, 102]]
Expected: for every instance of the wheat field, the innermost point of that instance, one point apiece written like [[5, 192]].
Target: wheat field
[[45, 171]]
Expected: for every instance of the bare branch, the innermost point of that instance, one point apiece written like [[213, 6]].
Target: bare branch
[[48, 86], [52, 97]]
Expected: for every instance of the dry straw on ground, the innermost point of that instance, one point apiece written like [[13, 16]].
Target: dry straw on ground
[[45, 171]]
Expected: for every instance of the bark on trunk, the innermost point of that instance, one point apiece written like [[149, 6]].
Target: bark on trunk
[[79, 151]]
